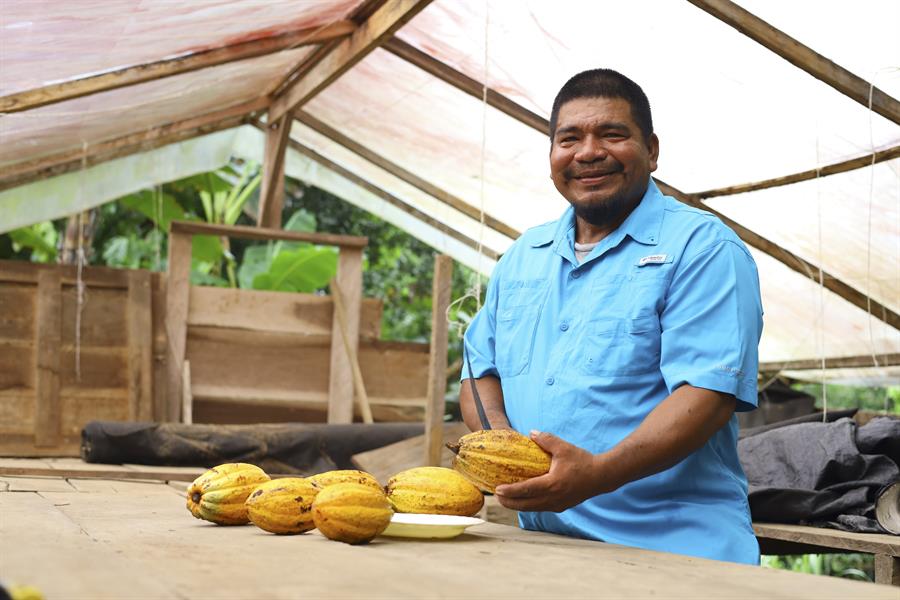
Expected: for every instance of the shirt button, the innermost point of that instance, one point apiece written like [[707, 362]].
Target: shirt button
[[564, 326], [576, 274], [549, 381]]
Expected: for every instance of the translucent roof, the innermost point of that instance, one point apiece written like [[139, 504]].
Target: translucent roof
[[728, 111]]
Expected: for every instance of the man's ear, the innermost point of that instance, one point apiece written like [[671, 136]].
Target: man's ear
[[653, 146]]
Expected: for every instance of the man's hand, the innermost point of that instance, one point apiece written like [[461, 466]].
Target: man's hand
[[573, 478]]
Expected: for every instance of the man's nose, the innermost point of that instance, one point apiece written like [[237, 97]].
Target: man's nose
[[591, 149]]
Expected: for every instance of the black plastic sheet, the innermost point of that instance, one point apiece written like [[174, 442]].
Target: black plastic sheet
[[827, 474], [301, 448]]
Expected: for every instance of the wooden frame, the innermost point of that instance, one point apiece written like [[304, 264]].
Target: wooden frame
[[167, 67], [859, 162], [378, 27], [43, 402], [404, 175], [388, 197], [126, 145], [843, 362], [340, 401], [466, 84], [803, 57], [437, 360], [271, 194]]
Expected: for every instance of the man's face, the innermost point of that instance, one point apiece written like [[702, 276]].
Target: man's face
[[599, 159]]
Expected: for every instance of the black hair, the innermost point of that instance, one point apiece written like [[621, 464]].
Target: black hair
[[605, 83]]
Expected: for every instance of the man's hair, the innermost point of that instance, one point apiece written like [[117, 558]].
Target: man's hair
[[605, 83]]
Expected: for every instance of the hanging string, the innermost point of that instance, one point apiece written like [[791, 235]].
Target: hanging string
[[79, 282], [474, 291], [821, 325]]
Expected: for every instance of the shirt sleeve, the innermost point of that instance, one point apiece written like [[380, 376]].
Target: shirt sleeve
[[479, 337], [712, 322]]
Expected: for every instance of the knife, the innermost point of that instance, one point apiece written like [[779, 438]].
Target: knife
[[479, 407]]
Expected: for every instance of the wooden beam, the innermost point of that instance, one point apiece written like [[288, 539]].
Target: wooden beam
[[48, 332], [258, 233], [174, 65], [139, 316], [271, 194], [359, 383], [132, 143], [463, 82], [865, 361], [794, 262], [437, 360], [340, 379], [359, 15], [380, 26], [802, 56], [888, 153], [403, 174], [390, 198], [177, 304]]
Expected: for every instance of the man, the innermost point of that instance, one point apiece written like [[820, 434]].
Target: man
[[623, 337]]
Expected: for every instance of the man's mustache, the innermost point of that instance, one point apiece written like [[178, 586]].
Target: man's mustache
[[571, 173]]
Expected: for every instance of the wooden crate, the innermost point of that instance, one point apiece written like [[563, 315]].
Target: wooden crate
[[255, 356]]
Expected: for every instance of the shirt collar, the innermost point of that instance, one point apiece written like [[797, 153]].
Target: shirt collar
[[642, 225]]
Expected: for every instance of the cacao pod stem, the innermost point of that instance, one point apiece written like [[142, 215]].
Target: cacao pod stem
[[454, 447]]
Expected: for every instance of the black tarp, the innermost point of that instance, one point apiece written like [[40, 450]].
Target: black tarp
[[827, 474], [301, 448]]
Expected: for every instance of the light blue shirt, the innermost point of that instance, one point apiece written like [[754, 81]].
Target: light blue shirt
[[586, 351]]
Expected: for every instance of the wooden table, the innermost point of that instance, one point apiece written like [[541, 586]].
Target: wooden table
[[108, 538], [777, 538]]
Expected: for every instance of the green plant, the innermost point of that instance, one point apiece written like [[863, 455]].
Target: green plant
[[40, 238], [849, 566]]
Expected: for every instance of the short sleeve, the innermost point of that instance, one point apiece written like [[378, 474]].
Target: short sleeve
[[712, 322], [479, 337]]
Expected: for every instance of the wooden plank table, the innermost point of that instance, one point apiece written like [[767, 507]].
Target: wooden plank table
[[138, 541], [778, 538]]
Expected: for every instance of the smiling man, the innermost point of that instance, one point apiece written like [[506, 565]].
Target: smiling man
[[622, 337]]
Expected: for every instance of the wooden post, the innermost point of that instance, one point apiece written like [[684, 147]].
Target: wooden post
[[139, 313], [187, 396], [49, 337], [271, 194], [177, 299], [340, 382], [358, 383], [887, 569], [437, 359]]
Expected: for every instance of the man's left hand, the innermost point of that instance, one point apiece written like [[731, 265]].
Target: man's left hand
[[573, 478]]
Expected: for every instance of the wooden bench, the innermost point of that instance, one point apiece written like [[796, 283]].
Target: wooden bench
[[777, 538]]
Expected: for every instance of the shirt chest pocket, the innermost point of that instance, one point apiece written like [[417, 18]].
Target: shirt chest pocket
[[622, 346], [517, 316]]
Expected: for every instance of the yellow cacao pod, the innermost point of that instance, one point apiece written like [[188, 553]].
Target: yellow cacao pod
[[283, 505], [498, 456], [351, 512], [323, 480], [433, 490], [219, 494]]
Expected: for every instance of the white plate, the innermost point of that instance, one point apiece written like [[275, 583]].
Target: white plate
[[429, 526]]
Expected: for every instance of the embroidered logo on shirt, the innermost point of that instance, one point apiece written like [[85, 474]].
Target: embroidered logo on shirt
[[654, 259]]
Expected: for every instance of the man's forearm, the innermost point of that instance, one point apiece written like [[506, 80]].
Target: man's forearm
[[680, 425], [491, 394]]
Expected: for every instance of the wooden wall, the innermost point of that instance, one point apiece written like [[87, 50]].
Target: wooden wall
[[255, 356], [45, 397]]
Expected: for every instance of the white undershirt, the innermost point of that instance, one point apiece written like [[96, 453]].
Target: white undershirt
[[582, 251]]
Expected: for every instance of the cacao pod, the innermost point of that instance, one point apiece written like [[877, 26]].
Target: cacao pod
[[498, 456], [323, 480], [351, 512], [283, 505], [219, 494], [433, 490]]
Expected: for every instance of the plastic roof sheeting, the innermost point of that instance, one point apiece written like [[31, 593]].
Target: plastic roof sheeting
[[727, 110]]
